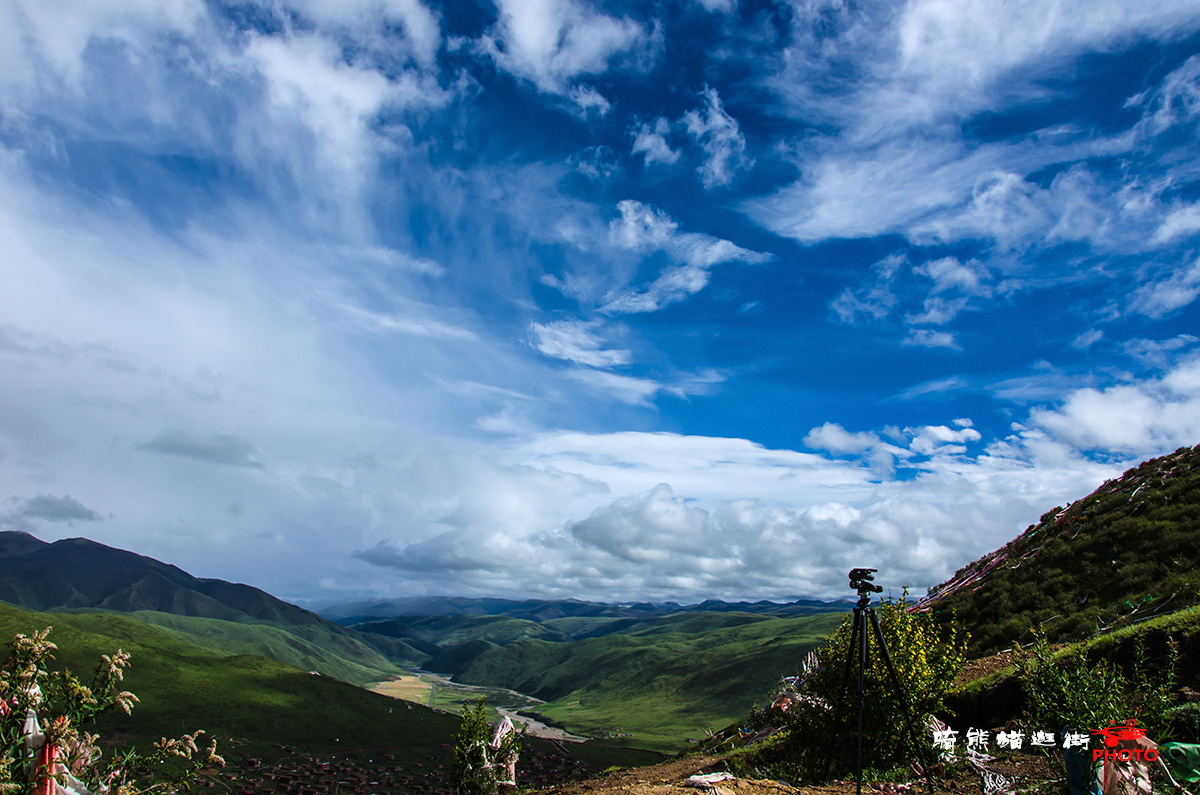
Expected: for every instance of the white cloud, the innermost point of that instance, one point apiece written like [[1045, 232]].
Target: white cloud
[[771, 523], [1176, 102], [932, 439], [1157, 353], [1156, 299], [652, 142], [577, 341], [553, 42], [878, 299], [1087, 339], [625, 388], [836, 439], [1180, 222], [422, 27], [894, 91], [719, 135], [929, 338], [645, 229], [950, 274], [722, 6], [938, 311], [1133, 419], [642, 391], [974, 43]]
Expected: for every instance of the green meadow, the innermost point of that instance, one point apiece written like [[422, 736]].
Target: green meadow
[[661, 682]]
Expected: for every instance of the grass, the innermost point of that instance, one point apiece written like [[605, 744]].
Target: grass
[[183, 687], [660, 683], [312, 647]]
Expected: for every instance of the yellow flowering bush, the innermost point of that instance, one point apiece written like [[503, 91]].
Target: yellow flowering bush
[[927, 657]]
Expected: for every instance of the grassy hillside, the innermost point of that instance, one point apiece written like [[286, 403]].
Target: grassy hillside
[[183, 687], [448, 631], [311, 646], [1123, 554], [76, 574], [660, 683]]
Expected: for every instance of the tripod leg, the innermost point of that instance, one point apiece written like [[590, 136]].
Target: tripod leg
[[862, 694], [887, 661], [855, 631]]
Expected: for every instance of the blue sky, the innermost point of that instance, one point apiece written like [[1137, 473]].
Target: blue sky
[[708, 299]]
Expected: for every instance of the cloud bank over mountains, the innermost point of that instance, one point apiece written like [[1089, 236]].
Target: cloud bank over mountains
[[577, 298]]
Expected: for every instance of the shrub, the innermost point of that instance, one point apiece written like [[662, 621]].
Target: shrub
[[927, 656], [1066, 691], [478, 765], [64, 704]]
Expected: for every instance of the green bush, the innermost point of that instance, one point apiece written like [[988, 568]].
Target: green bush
[[1067, 691], [64, 705], [478, 767], [927, 656]]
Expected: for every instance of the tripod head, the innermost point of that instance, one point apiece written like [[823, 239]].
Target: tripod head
[[862, 580]]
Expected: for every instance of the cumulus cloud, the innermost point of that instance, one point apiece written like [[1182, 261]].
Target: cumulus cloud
[[658, 537], [553, 42], [1134, 419], [652, 142], [836, 439]]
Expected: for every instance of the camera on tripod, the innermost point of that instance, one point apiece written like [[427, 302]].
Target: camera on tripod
[[867, 622], [863, 580]]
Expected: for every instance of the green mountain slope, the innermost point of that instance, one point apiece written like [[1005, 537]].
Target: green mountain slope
[[310, 646], [183, 687], [447, 631], [662, 682], [80, 575], [1126, 552]]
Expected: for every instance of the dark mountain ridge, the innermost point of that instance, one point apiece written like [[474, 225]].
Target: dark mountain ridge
[[360, 611], [79, 573]]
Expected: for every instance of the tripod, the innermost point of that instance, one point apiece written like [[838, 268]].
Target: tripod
[[861, 581]]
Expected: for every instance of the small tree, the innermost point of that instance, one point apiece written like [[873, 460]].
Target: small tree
[[62, 704], [479, 762]]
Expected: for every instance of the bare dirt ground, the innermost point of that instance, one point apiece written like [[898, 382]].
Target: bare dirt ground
[[670, 778], [984, 666]]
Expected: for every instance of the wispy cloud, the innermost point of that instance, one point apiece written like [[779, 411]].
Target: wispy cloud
[[721, 139], [645, 229], [576, 341]]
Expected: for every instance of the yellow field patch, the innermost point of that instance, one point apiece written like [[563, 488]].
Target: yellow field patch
[[408, 688]]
